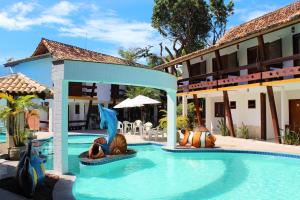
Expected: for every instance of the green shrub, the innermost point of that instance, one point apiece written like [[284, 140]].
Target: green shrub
[[223, 128], [190, 112], [181, 121], [291, 137], [243, 131]]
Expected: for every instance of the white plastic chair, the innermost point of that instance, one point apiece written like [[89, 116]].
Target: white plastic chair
[[147, 129], [137, 127], [127, 127], [156, 132], [121, 127]]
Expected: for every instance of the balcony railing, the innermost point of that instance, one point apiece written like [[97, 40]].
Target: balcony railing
[[213, 80]]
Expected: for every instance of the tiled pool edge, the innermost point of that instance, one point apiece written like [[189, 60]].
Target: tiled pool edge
[[232, 151]]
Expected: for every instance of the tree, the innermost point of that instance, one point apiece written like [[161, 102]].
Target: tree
[[11, 112], [186, 22], [190, 24], [133, 91], [132, 55], [219, 14]]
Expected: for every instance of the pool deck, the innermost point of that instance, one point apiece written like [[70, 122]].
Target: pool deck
[[63, 188]]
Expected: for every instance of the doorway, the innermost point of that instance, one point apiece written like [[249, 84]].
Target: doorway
[[294, 116]]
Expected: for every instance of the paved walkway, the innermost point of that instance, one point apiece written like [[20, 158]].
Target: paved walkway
[[63, 188], [254, 145]]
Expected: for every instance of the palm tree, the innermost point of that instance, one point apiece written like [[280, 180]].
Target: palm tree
[[10, 114]]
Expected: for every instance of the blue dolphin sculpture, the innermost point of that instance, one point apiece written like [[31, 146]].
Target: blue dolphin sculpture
[[108, 120]]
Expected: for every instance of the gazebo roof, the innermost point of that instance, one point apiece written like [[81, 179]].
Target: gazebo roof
[[21, 85], [61, 51]]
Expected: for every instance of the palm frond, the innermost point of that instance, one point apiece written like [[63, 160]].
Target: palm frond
[[8, 97]]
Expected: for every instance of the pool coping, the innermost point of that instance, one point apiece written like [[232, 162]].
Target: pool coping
[[193, 150], [222, 150]]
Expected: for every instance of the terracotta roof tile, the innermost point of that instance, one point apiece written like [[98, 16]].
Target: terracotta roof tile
[[19, 83], [61, 51], [275, 18]]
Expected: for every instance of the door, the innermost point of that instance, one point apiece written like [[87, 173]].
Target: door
[[294, 109]]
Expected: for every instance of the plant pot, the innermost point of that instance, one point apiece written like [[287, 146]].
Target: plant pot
[[14, 153]]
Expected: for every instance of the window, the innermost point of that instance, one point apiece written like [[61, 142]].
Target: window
[[228, 61], [233, 104], [198, 68], [251, 104], [77, 109], [274, 50], [219, 109], [296, 47], [252, 57], [75, 89]]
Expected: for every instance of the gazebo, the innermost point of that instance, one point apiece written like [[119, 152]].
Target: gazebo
[[65, 71], [18, 85]]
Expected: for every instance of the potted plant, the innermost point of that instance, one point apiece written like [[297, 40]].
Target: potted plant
[[223, 128], [12, 115], [243, 131]]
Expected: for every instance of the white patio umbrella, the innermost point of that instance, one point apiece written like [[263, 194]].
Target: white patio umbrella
[[143, 100], [127, 103]]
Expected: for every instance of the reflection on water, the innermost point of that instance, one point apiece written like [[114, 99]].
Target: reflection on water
[[116, 169]]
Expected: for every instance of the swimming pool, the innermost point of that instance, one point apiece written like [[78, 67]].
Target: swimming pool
[[2, 137], [157, 174]]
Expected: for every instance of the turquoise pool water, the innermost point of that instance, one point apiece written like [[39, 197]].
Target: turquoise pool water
[[2, 137], [156, 174]]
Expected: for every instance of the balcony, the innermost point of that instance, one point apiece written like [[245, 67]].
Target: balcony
[[263, 74]]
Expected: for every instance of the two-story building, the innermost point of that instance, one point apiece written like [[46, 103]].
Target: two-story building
[[250, 76]]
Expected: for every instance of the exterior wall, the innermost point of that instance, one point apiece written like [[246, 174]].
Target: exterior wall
[[251, 116], [284, 34], [38, 70], [242, 114]]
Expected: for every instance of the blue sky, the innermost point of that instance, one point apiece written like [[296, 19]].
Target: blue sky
[[100, 25]]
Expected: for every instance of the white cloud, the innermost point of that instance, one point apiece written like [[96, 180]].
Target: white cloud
[[20, 16], [114, 30], [247, 14], [82, 21], [21, 8], [63, 8]]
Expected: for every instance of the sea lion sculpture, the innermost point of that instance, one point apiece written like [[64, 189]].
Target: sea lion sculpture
[[30, 171], [201, 138], [114, 144]]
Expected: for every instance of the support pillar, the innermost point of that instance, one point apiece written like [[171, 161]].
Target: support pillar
[[197, 107], [263, 116], [284, 109], [50, 128], [209, 114], [275, 123], [184, 106], [228, 116], [60, 119], [171, 108]]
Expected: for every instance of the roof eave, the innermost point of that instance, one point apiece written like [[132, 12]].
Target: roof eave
[[16, 62], [224, 45]]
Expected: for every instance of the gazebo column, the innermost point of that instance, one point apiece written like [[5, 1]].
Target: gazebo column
[[184, 106], [171, 108], [60, 119]]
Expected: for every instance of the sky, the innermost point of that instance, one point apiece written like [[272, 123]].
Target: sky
[[100, 25]]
